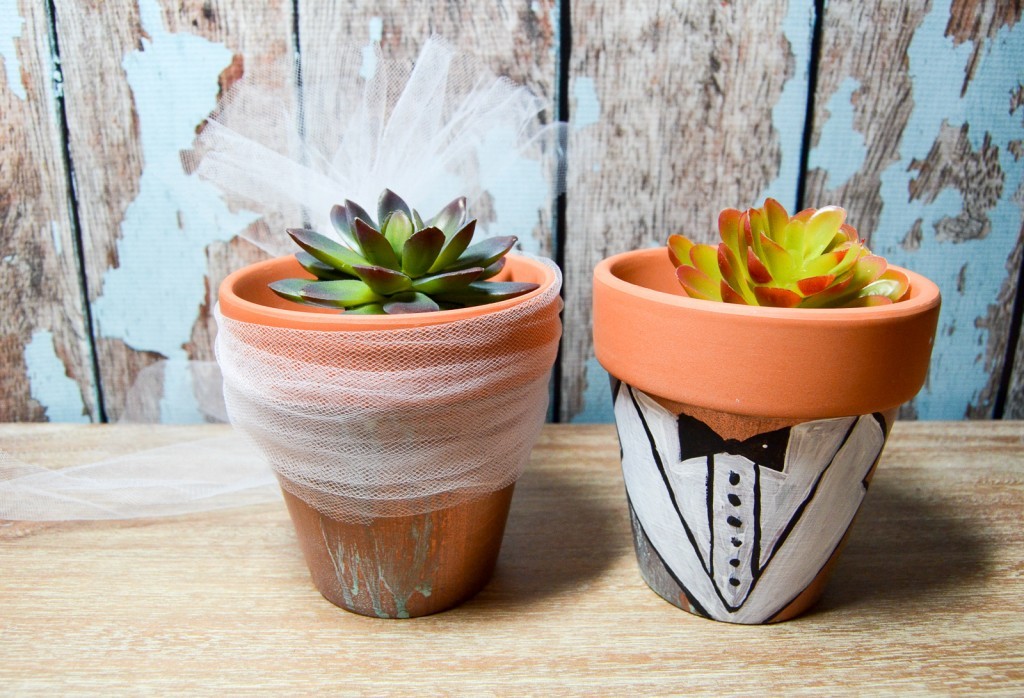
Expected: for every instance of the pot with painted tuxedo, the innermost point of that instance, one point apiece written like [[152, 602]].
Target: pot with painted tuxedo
[[749, 434]]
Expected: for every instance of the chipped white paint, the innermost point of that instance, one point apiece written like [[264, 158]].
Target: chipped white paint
[[369, 52], [840, 141], [49, 383], [969, 273], [11, 23], [150, 300], [790, 111]]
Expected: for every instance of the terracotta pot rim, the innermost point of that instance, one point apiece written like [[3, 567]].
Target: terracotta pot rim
[[235, 305], [776, 362], [924, 294]]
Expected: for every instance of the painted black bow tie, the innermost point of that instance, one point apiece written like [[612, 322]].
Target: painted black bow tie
[[697, 439]]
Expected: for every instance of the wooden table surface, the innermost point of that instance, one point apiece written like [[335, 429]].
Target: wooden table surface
[[927, 596]]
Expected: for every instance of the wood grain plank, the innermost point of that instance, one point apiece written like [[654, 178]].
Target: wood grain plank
[[515, 39], [926, 597], [675, 115], [141, 76], [45, 356], [915, 129]]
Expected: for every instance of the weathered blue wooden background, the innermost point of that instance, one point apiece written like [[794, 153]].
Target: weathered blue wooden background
[[910, 114]]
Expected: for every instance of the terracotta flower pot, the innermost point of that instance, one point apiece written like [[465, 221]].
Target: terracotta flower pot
[[378, 556], [749, 435]]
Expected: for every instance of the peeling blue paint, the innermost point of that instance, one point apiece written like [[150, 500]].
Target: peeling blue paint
[[369, 66], [958, 373], [586, 106], [49, 383], [150, 301], [11, 23], [597, 398], [790, 111], [841, 149], [518, 186]]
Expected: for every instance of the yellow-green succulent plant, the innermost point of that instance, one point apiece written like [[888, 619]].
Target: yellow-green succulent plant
[[813, 259]]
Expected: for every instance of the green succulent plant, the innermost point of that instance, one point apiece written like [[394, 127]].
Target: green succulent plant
[[813, 259], [403, 265]]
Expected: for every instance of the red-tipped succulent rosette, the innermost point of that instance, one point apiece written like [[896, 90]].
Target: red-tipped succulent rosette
[[813, 259]]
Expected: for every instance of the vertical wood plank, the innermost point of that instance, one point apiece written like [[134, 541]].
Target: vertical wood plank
[[677, 114], [918, 133], [45, 356], [141, 76], [515, 39]]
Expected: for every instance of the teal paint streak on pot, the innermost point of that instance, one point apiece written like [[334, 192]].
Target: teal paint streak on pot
[[969, 273], [597, 400], [354, 591], [150, 301], [49, 383], [11, 23], [790, 111], [841, 149]]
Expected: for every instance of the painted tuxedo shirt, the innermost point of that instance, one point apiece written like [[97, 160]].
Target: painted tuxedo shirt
[[742, 526]]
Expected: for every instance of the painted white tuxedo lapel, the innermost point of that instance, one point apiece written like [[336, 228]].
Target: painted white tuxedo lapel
[[740, 537]]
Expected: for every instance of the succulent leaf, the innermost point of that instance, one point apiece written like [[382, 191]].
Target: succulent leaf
[[729, 294], [814, 284], [355, 211], [821, 229], [376, 248], [775, 217], [734, 273], [383, 281], [290, 289], [776, 297], [450, 218], [398, 228], [679, 249], [340, 221], [342, 294], [448, 281], [759, 273], [390, 202], [366, 309], [493, 270], [411, 302], [481, 292], [326, 250], [318, 269], [421, 250], [697, 284], [485, 253], [454, 247], [705, 258]]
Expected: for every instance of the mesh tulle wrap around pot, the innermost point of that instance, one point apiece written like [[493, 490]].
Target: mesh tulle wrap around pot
[[364, 418]]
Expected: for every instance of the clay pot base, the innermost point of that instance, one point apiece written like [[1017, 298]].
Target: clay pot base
[[405, 566], [741, 519]]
